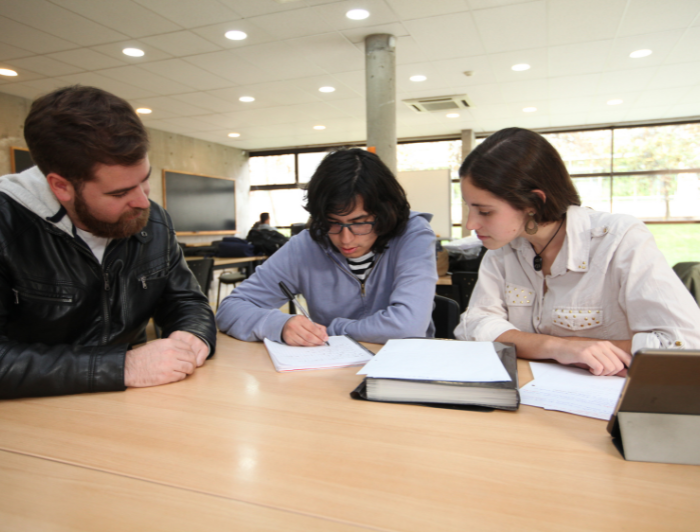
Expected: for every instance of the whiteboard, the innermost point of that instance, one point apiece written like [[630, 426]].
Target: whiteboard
[[431, 191]]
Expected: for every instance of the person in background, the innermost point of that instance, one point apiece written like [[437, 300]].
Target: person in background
[[86, 259], [366, 266], [264, 222], [561, 281]]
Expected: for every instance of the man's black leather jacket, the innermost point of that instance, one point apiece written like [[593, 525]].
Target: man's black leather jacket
[[66, 321]]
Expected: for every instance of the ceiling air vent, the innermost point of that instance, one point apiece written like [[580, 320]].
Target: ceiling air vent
[[439, 103]]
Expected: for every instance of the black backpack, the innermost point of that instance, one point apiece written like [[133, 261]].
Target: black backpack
[[266, 242]]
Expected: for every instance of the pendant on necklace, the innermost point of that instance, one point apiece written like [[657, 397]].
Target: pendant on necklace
[[537, 263]]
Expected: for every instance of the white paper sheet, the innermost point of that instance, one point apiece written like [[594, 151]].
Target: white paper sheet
[[341, 352], [437, 360], [572, 390]]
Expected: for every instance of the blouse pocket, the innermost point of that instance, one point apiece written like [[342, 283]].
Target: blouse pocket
[[519, 296], [577, 318]]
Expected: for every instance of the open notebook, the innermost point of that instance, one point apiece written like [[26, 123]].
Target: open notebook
[[342, 351]]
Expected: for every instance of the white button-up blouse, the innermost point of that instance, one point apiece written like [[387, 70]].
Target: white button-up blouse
[[609, 281]]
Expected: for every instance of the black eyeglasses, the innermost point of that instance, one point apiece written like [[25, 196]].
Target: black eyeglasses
[[361, 228]]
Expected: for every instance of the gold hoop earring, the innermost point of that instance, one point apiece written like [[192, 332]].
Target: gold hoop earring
[[531, 229]]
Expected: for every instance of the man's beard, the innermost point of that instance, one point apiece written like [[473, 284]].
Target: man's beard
[[126, 226]]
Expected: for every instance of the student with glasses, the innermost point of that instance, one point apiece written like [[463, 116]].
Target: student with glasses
[[365, 266]]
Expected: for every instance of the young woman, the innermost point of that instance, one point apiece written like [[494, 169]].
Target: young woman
[[366, 265], [562, 281]]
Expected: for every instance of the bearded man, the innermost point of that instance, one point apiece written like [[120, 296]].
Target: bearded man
[[86, 259]]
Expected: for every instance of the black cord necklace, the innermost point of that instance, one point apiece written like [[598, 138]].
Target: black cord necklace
[[537, 261]]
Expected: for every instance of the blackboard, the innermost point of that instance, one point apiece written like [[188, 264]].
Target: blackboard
[[200, 204], [21, 160]]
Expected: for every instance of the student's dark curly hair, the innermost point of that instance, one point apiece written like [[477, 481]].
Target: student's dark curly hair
[[513, 162], [344, 175], [71, 130]]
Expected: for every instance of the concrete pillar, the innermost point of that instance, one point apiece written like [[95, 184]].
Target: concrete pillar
[[468, 144], [380, 75]]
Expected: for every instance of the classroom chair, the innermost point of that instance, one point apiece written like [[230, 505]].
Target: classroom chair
[[445, 317], [202, 270], [465, 282], [228, 278]]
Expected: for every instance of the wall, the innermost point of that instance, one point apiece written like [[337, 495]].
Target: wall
[[13, 111], [168, 151]]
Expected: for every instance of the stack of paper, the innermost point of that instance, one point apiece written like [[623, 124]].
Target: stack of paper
[[571, 390], [342, 351]]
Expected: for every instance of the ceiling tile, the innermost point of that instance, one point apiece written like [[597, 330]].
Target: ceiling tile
[[488, 94], [410, 9], [648, 16], [566, 120], [216, 33], [524, 91], [355, 107], [662, 97], [573, 86], [584, 58], [312, 84], [124, 16], [572, 21], [355, 80], [330, 51], [169, 106], [121, 89], [46, 66], [253, 8], [334, 13], [358, 35], [291, 24], [485, 4], [626, 80], [446, 36], [181, 43], [435, 80], [513, 27], [144, 78], [7, 51], [188, 74], [229, 66], [115, 50], [55, 20], [646, 113], [684, 110], [453, 70], [21, 89], [23, 75], [232, 95], [503, 62], [692, 95], [281, 60], [189, 124], [87, 59], [677, 75], [569, 106], [659, 43], [191, 14], [688, 47], [39, 42], [283, 93], [408, 51]]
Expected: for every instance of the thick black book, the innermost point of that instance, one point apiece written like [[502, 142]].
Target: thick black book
[[450, 394]]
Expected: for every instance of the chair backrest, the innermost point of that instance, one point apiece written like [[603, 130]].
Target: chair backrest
[[202, 270], [465, 282], [445, 317], [298, 228]]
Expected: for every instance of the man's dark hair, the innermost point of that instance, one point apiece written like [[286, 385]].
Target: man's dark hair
[[340, 178], [513, 162], [71, 130], [264, 217]]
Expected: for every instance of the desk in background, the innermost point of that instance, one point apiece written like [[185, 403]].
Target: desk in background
[[239, 446]]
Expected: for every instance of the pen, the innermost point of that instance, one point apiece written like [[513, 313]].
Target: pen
[[292, 298]]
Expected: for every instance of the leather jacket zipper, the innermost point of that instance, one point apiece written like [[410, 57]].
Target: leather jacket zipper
[[55, 299]]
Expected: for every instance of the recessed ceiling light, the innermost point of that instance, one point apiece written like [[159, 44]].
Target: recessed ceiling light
[[452, 115], [616, 101], [640, 53], [319, 127], [236, 35], [246, 99], [7, 72], [234, 135], [520, 67], [357, 14], [418, 77], [327, 89], [529, 109], [133, 52], [144, 111]]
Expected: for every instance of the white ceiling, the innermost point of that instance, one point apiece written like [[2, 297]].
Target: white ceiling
[[192, 77]]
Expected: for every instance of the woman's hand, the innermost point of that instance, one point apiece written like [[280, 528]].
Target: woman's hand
[[600, 357]]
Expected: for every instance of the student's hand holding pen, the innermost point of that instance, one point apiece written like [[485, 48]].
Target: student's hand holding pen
[[301, 331]]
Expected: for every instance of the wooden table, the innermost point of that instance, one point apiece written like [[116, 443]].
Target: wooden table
[[238, 446]]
